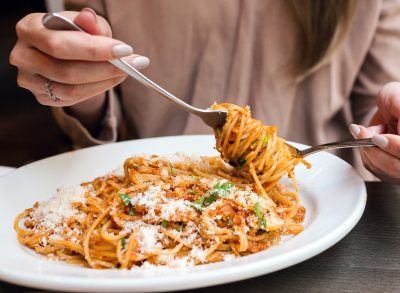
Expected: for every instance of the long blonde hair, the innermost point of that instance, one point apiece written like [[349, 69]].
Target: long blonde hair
[[323, 24]]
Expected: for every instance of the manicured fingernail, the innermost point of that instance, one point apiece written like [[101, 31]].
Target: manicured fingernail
[[355, 130], [380, 140], [91, 11], [121, 50], [140, 62]]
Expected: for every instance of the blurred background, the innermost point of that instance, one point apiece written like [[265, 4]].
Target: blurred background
[[27, 130]]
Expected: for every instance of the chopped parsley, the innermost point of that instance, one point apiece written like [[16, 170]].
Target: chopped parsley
[[172, 169], [261, 218], [241, 162], [255, 143], [210, 200], [224, 186], [123, 242], [218, 130], [179, 227], [199, 201], [196, 177], [125, 198], [219, 190], [132, 211], [265, 140], [164, 223], [191, 191]]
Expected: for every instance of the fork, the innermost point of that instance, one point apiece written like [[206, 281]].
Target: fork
[[366, 142], [213, 118]]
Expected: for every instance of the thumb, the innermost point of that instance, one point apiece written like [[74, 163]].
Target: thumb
[[88, 21]]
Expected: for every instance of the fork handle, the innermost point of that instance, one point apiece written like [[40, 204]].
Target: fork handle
[[365, 142], [55, 21]]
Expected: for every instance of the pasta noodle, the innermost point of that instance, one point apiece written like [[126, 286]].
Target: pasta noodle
[[174, 210], [255, 149]]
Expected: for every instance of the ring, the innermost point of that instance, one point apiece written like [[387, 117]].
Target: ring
[[49, 91]]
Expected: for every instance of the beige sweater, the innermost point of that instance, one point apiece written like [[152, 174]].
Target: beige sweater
[[235, 51]]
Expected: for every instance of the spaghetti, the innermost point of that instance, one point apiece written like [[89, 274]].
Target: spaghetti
[[174, 211], [255, 149]]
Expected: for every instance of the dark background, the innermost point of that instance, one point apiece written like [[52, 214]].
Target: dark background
[[27, 129]]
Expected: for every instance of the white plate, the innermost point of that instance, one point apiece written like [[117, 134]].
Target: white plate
[[332, 192]]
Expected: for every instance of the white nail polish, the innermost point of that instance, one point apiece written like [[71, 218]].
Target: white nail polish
[[355, 130], [121, 50], [140, 62], [380, 140]]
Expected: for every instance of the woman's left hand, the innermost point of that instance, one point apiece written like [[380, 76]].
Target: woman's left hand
[[384, 128]]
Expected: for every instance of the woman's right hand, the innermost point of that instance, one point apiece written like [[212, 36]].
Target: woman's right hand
[[76, 62]]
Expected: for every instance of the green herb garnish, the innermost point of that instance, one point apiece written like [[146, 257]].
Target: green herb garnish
[[210, 200], [225, 186], [126, 199], [179, 228], [191, 191], [123, 242], [196, 177], [241, 162], [260, 216], [265, 140], [255, 143], [200, 201], [132, 211], [218, 131], [219, 190], [164, 223], [172, 169]]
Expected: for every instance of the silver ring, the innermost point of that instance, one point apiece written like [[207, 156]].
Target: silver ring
[[49, 91]]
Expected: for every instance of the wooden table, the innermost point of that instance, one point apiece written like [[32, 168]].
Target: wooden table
[[366, 260]]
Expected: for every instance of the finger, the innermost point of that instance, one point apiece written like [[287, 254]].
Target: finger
[[71, 45], [70, 72], [377, 129], [376, 119], [381, 163], [31, 81], [388, 102], [84, 21], [389, 143], [359, 131], [87, 20], [73, 94]]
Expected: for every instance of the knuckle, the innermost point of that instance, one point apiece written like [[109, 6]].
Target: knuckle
[[20, 27], [25, 24], [21, 80], [13, 58]]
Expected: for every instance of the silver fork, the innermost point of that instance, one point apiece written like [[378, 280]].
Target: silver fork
[[213, 118], [366, 142]]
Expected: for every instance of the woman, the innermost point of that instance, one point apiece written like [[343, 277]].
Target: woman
[[309, 67]]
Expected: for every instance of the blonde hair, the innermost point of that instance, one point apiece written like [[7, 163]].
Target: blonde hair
[[323, 25]]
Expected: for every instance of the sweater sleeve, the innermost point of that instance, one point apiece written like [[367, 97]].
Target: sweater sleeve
[[381, 65], [80, 136]]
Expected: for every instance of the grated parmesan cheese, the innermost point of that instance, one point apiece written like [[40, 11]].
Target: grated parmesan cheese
[[52, 213]]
